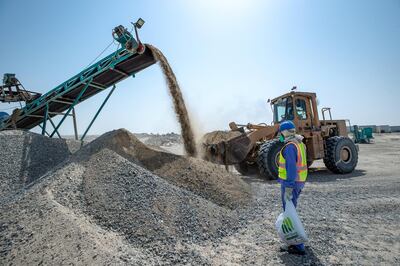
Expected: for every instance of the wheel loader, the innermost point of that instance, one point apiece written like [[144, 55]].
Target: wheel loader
[[254, 149]]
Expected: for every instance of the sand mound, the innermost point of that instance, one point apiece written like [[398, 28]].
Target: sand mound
[[200, 177], [26, 156]]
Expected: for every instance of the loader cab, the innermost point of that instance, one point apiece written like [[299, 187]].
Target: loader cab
[[299, 107]]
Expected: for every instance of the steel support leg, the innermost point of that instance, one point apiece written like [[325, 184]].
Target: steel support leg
[[70, 108], [98, 111], [74, 121], [46, 115], [43, 130]]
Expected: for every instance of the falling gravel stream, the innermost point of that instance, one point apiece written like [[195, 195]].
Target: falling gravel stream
[[179, 103]]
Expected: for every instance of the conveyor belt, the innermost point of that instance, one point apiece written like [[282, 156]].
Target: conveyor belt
[[94, 79]]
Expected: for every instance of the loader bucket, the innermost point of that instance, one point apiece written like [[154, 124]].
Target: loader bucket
[[233, 147], [231, 150]]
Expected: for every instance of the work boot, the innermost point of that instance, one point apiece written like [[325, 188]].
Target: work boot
[[293, 250], [283, 248]]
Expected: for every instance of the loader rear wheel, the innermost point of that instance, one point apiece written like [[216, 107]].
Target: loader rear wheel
[[246, 168], [268, 159], [341, 155]]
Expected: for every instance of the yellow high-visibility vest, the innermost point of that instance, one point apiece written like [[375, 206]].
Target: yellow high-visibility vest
[[301, 162]]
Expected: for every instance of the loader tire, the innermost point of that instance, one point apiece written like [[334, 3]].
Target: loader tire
[[246, 168], [341, 155], [268, 159]]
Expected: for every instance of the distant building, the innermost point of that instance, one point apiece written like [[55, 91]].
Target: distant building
[[381, 128], [395, 128]]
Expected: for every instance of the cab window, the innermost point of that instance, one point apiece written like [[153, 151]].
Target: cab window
[[301, 109], [283, 110]]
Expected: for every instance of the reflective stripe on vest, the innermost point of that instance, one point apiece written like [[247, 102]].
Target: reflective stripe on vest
[[301, 164]]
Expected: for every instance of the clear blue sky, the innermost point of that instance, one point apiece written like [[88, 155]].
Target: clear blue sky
[[229, 57]]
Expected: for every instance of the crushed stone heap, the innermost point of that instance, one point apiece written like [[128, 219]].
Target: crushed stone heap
[[200, 177], [26, 156], [106, 204]]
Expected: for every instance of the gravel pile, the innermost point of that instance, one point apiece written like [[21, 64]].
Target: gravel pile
[[203, 178], [98, 207], [146, 208], [26, 156], [48, 225]]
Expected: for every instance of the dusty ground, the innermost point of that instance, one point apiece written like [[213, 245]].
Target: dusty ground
[[351, 219]]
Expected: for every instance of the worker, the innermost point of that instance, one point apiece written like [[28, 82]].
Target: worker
[[292, 171]]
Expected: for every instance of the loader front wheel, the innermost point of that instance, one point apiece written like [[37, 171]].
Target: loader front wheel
[[268, 159], [341, 155], [246, 168]]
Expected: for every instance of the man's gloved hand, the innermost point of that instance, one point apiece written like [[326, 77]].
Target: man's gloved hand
[[288, 193]]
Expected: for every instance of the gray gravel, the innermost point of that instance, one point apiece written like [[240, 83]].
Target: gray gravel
[[26, 156], [204, 179], [108, 210], [145, 207], [99, 193], [350, 219]]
